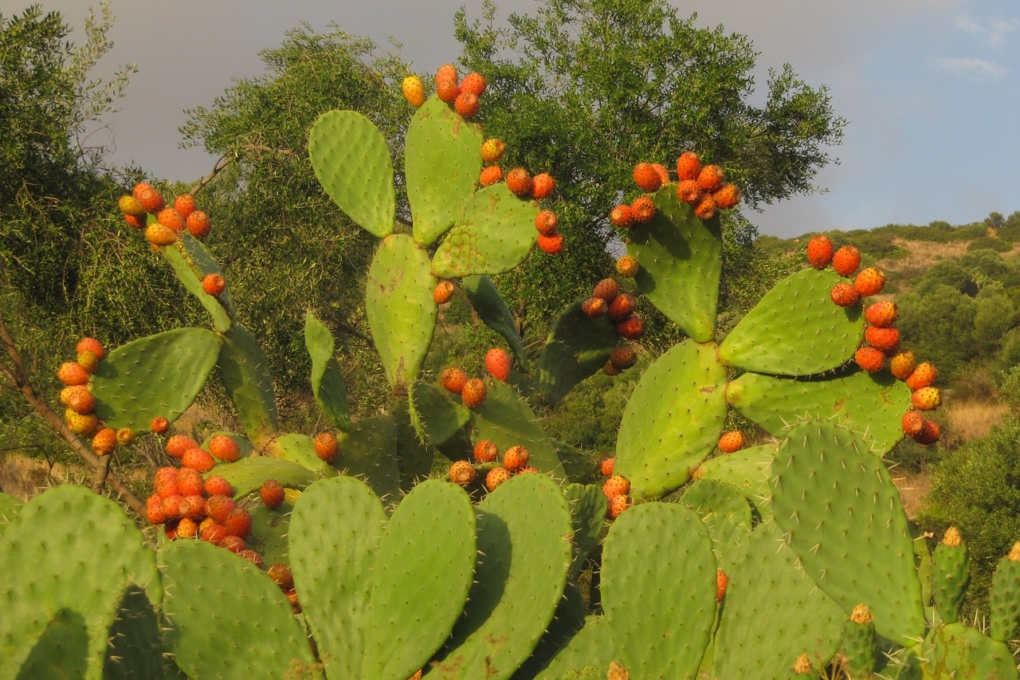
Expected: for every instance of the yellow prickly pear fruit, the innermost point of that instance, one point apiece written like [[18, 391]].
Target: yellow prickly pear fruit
[[158, 235], [414, 91], [88, 360]]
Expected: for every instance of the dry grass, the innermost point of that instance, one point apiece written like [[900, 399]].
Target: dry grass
[[24, 477], [972, 420], [922, 255], [912, 487]]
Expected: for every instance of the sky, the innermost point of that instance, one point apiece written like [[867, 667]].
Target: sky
[[931, 88]]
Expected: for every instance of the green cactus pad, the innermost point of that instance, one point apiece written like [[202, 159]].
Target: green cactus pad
[[248, 474], [658, 590], [300, 449], [414, 460], [249, 609], [748, 470], [846, 523], [524, 552], [242, 442], [244, 371], [956, 651], [950, 578], [772, 613], [335, 532], [430, 542], [400, 308], [795, 329], [567, 622], [494, 233], [587, 515], [577, 347], [327, 383], [69, 549], [672, 421], [506, 419], [192, 262], [159, 375], [135, 649], [9, 509], [724, 510], [862, 400], [352, 163], [1004, 600], [491, 309], [681, 264], [591, 647], [442, 162], [369, 452], [61, 652], [434, 415], [269, 532]]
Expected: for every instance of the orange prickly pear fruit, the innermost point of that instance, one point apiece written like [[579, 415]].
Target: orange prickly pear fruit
[[551, 244], [662, 172], [516, 458], [443, 292], [688, 166], [606, 289], [414, 91], [448, 91], [643, 209], [902, 365], [926, 399], [721, 581], [881, 314], [497, 363], [92, 345], [486, 451], [453, 379], [542, 186], [326, 446], [495, 477], [913, 423], [616, 485], [446, 72], [923, 375], [710, 178], [462, 472], [882, 338], [467, 105], [622, 216], [705, 207], [198, 224], [185, 204], [631, 328], [130, 206], [869, 282], [929, 434], [72, 373], [622, 358], [171, 219], [646, 177], [727, 196], [104, 441], [819, 251], [492, 150], [844, 295], [158, 235], [846, 260], [731, 441], [519, 182], [473, 83], [473, 393], [490, 175], [870, 359], [607, 465], [546, 222], [688, 192], [159, 425], [214, 284], [594, 307], [617, 505], [627, 266]]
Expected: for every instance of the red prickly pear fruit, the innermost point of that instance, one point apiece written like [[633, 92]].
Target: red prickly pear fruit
[[219, 508], [881, 314], [606, 289], [164, 482], [238, 523], [486, 451], [149, 198], [213, 284], [178, 444], [819, 251], [516, 458], [721, 581], [159, 425], [495, 477], [198, 224], [224, 448], [473, 393], [171, 219], [130, 206], [91, 345], [193, 507], [662, 172], [622, 306], [622, 216], [234, 544], [627, 266], [490, 175], [413, 90], [622, 358], [466, 104], [607, 466], [519, 182], [281, 575], [72, 373], [448, 91], [453, 379], [473, 83], [594, 307], [846, 260], [884, 339], [926, 399], [844, 295], [326, 446], [643, 209], [869, 282], [214, 533], [870, 359], [610, 369], [550, 244], [913, 423], [154, 509], [688, 192], [172, 506], [902, 365], [923, 375], [190, 482], [616, 485], [497, 363], [646, 177], [546, 222], [198, 459], [134, 222], [705, 208], [616, 506], [929, 434], [710, 178], [218, 486], [688, 166], [727, 196], [185, 205], [463, 473], [731, 441], [542, 186], [443, 292], [631, 328], [492, 150]]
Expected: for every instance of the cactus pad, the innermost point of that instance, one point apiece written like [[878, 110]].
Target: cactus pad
[[159, 375], [658, 590], [567, 622], [591, 647], [369, 452], [956, 651], [577, 348], [491, 309], [494, 233], [724, 510], [795, 329], [846, 523], [681, 264], [435, 416], [327, 382], [352, 162], [248, 474], [1004, 600], [61, 652], [400, 308], [587, 515], [524, 552], [269, 531], [862, 400], [747, 469], [773, 613], [244, 371], [673, 420], [300, 449], [192, 262], [9, 509], [442, 161], [135, 650]]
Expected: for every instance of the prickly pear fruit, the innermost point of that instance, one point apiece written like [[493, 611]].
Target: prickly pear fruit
[[448, 90], [643, 209], [213, 284], [902, 365], [164, 482], [88, 360], [446, 72], [198, 459], [78, 399], [473, 393], [881, 314], [492, 150], [631, 328], [125, 436], [607, 466], [495, 477], [617, 485], [663, 173], [869, 282], [622, 216], [462, 472], [218, 486], [929, 433], [443, 292], [178, 444], [149, 198], [519, 182], [72, 373], [627, 266], [550, 244], [688, 166], [846, 260], [473, 83], [490, 175], [870, 359], [610, 369], [844, 295], [130, 206], [819, 251], [171, 219], [710, 178], [646, 177], [185, 204], [497, 363], [705, 207], [688, 191], [466, 104], [453, 379], [606, 289], [594, 307], [622, 306], [617, 504], [486, 451], [727, 196], [281, 575], [219, 507], [190, 483], [104, 441], [414, 91], [158, 235], [193, 507], [238, 523], [622, 358], [926, 399], [81, 423], [326, 446], [542, 186], [199, 224], [159, 425], [91, 345], [546, 222], [731, 441], [154, 509], [913, 423], [884, 339], [721, 581], [515, 458], [225, 448], [923, 375]]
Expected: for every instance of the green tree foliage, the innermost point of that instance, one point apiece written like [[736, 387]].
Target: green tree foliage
[[585, 89]]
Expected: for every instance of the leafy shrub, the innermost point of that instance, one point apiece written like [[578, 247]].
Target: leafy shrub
[[989, 243]]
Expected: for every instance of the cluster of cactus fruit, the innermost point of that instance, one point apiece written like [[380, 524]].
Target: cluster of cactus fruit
[[789, 558]]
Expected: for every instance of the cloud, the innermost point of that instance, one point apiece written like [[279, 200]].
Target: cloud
[[974, 69], [993, 32]]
